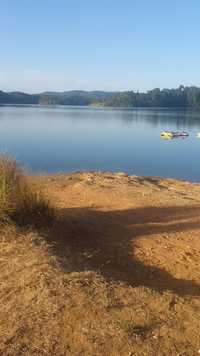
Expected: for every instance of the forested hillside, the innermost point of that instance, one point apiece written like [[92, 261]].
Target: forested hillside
[[180, 97], [73, 97], [186, 97]]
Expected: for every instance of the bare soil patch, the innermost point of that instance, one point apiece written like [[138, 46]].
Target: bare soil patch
[[116, 273]]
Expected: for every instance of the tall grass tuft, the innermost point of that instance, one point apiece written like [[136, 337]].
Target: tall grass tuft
[[20, 200]]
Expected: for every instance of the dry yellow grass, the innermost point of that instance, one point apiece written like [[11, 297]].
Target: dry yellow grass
[[20, 200], [117, 273], [47, 312], [9, 182]]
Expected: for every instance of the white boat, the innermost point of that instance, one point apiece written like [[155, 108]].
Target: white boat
[[173, 134], [198, 135]]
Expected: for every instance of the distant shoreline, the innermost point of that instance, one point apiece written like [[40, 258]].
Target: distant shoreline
[[183, 97], [99, 106]]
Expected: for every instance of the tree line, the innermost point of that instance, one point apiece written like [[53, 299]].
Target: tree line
[[185, 97], [180, 97]]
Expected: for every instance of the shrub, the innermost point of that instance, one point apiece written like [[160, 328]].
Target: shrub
[[20, 200]]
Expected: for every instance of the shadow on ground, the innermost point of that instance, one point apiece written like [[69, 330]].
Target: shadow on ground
[[104, 242]]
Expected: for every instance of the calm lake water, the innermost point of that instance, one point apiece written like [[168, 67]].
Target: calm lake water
[[55, 139]]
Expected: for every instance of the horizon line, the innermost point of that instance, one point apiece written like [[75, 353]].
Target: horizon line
[[96, 90]]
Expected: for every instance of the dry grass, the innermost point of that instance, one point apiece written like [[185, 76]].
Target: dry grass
[[47, 312], [19, 200], [9, 185], [57, 299]]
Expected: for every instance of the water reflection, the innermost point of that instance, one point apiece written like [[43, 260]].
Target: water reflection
[[158, 117], [82, 138]]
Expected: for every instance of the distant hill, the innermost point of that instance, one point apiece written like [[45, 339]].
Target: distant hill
[[72, 97], [18, 98], [95, 94], [75, 97], [179, 97]]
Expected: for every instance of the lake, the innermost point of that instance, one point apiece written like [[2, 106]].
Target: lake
[[65, 139]]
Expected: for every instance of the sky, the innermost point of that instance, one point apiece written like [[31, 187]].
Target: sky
[[98, 44]]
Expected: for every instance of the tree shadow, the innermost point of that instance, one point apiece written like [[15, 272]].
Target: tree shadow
[[104, 242]]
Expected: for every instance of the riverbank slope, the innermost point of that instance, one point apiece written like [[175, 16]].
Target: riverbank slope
[[116, 273]]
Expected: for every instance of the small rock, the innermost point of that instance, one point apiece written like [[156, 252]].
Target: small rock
[[155, 337], [121, 174]]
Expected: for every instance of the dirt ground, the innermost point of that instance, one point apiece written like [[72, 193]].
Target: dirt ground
[[117, 273]]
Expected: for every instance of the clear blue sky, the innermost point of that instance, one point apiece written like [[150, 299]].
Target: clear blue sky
[[99, 44]]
